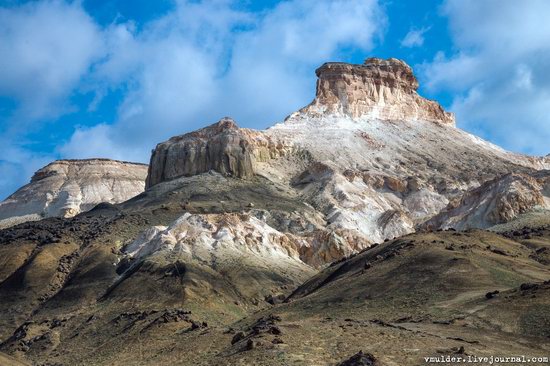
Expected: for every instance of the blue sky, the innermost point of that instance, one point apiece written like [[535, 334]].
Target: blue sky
[[111, 79]]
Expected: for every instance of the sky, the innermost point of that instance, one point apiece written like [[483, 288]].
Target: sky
[[112, 78]]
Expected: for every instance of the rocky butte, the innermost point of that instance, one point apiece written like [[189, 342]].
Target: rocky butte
[[222, 147], [383, 89]]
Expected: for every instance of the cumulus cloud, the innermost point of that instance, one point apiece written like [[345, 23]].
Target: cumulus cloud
[[414, 38], [46, 48], [206, 60], [499, 72]]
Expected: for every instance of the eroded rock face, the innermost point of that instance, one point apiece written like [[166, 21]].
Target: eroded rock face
[[498, 201], [220, 241], [65, 188], [215, 239], [384, 89], [199, 235], [222, 147]]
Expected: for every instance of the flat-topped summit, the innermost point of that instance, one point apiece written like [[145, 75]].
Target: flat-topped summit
[[64, 188], [63, 164], [393, 73], [383, 89]]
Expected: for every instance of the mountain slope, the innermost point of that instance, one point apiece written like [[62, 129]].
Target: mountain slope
[[369, 154], [420, 295]]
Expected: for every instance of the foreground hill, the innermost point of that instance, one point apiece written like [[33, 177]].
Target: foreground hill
[[426, 294]]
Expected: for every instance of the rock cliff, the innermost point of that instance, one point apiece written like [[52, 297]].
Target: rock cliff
[[222, 147], [65, 188], [384, 89]]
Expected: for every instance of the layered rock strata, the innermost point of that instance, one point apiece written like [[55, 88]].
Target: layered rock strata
[[498, 201], [222, 147], [65, 188], [384, 89]]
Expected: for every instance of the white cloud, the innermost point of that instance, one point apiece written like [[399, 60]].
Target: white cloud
[[272, 66], [17, 165], [87, 141], [46, 48], [205, 61], [500, 71], [414, 38]]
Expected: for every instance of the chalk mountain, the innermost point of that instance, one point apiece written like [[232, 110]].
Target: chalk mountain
[[372, 158], [66, 188], [234, 221]]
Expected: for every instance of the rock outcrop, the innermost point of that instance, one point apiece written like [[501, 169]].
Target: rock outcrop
[[496, 202], [65, 188], [384, 89], [220, 240], [222, 147]]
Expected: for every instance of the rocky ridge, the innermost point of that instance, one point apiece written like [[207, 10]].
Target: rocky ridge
[[65, 188]]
